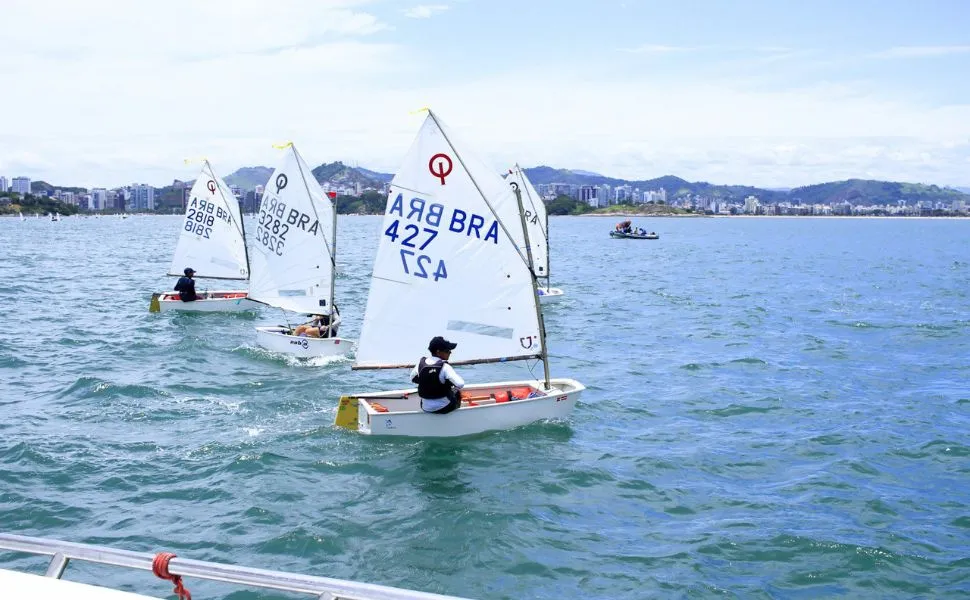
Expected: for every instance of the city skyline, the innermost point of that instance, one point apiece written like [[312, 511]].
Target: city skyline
[[767, 94]]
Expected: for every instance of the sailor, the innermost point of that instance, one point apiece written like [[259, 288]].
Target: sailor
[[438, 384], [185, 286], [318, 326]]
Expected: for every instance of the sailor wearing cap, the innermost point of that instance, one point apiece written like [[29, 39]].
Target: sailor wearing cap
[[185, 286], [438, 384]]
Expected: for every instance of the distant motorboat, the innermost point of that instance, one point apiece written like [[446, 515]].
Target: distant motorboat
[[635, 236], [625, 230]]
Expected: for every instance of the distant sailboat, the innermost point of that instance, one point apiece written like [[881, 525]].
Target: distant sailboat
[[450, 263], [537, 224], [22, 217], [213, 242], [294, 260]]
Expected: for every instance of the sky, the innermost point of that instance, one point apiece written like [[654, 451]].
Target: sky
[[771, 93]]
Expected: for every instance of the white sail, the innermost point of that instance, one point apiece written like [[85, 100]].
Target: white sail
[[536, 220], [211, 240], [291, 262], [446, 264]]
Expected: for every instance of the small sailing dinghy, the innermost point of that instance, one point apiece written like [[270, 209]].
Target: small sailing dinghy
[[537, 224], [448, 264], [213, 243], [294, 263]]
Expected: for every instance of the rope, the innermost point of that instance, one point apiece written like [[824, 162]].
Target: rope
[[160, 569]]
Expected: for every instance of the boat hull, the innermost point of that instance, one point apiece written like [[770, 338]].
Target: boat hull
[[214, 301], [26, 585], [276, 339], [398, 412], [633, 236], [549, 295]]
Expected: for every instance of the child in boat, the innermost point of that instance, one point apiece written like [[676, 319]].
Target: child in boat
[[318, 326]]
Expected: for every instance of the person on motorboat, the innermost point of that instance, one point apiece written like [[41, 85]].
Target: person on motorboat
[[319, 326], [439, 386], [185, 286]]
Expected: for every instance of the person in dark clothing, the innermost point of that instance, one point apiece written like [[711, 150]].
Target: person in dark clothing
[[439, 386], [185, 286]]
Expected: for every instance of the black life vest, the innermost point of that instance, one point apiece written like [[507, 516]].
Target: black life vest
[[429, 379]]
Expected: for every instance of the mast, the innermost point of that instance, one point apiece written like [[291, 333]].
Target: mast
[[548, 256], [333, 259], [535, 287], [242, 222]]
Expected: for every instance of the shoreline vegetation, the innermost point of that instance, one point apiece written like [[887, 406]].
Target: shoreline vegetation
[[373, 203]]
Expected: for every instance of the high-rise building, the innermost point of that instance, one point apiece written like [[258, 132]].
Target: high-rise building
[[99, 198], [588, 194], [4, 184], [142, 197], [21, 185]]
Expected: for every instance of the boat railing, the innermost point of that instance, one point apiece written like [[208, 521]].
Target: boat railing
[[324, 588]]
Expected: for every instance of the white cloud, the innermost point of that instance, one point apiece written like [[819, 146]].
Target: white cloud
[[921, 51], [425, 11], [110, 93]]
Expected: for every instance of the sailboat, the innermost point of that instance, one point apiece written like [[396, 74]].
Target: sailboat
[[537, 224], [448, 263], [294, 263], [22, 217], [55, 216], [213, 243]]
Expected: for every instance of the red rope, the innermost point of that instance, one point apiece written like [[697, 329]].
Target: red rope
[[160, 569]]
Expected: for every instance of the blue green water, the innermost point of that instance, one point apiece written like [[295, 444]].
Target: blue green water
[[776, 408]]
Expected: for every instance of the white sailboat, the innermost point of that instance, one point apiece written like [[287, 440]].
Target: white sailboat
[[537, 224], [22, 217], [213, 243], [448, 264], [55, 216], [294, 262]]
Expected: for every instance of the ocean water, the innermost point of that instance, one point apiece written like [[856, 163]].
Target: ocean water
[[776, 408]]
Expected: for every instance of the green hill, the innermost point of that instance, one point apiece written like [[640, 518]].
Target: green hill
[[856, 191], [867, 191], [247, 178]]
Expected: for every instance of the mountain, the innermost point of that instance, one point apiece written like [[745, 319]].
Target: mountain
[[587, 173], [247, 178], [340, 174], [382, 177], [42, 187], [965, 190], [867, 191], [856, 191], [675, 186]]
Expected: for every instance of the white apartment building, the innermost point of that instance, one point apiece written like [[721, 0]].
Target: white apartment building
[[21, 185]]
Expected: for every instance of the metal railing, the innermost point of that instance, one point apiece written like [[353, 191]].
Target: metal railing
[[324, 588]]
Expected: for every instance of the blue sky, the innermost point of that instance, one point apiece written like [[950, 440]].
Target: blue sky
[[775, 94]]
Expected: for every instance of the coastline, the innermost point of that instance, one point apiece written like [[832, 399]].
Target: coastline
[[640, 215]]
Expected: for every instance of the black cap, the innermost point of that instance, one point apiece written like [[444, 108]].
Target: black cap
[[439, 343], [189, 270]]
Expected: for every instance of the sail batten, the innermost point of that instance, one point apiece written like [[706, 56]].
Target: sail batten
[[292, 263], [454, 248], [211, 240]]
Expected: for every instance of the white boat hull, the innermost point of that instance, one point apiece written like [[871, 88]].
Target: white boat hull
[[25, 585], [548, 295], [276, 339], [214, 301], [399, 413]]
